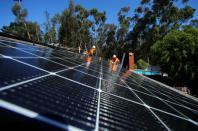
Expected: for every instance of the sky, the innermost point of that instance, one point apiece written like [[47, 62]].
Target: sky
[[36, 8]]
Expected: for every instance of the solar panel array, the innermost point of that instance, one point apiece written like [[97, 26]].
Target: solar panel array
[[63, 89]]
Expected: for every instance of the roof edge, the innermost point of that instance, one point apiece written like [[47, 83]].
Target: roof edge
[[171, 88]]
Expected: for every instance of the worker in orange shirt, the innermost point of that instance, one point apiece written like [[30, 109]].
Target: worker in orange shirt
[[90, 54], [92, 51], [115, 60]]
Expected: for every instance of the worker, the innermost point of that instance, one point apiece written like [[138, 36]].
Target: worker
[[92, 51], [90, 54], [115, 60]]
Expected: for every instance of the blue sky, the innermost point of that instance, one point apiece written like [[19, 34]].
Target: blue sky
[[36, 8]]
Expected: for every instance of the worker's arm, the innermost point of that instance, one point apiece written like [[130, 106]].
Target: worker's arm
[[117, 61]]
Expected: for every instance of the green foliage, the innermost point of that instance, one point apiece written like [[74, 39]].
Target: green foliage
[[141, 64], [153, 20], [18, 29], [82, 28], [50, 28], [135, 66], [19, 12], [194, 23], [20, 16], [21, 27], [68, 26], [110, 48], [178, 52], [145, 2]]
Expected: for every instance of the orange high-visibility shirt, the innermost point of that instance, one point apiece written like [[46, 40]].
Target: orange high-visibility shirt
[[115, 60], [114, 67], [92, 51], [89, 59]]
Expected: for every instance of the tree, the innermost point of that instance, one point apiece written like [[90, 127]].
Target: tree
[[194, 23], [22, 28], [50, 35], [82, 28], [56, 24], [141, 64], [124, 24], [122, 32], [18, 29], [20, 15], [68, 26], [34, 31], [98, 23], [177, 54], [109, 48], [153, 20], [83, 32]]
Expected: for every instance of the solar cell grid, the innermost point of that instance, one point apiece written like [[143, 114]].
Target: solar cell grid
[[14, 52], [189, 105], [138, 88], [117, 90], [155, 87], [169, 93], [88, 71], [18, 45], [65, 62], [176, 123], [12, 72], [43, 64], [80, 77], [175, 101], [63, 87], [117, 114], [156, 103], [190, 114], [56, 97]]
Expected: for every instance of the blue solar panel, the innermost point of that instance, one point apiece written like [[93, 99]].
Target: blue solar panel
[[62, 89]]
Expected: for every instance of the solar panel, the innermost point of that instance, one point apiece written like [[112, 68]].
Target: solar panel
[[62, 89]]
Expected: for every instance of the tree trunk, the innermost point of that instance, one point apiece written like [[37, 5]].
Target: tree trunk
[[80, 46], [97, 49], [28, 34], [86, 48], [37, 35]]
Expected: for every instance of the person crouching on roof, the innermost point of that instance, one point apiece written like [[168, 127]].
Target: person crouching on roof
[[115, 60], [92, 51]]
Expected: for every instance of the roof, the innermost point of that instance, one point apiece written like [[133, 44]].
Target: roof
[[64, 90]]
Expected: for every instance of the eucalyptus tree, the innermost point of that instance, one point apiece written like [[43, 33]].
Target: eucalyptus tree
[[83, 32], [123, 30], [50, 28], [21, 14], [47, 25], [97, 28], [109, 48], [22, 28], [68, 26], [56, 23]]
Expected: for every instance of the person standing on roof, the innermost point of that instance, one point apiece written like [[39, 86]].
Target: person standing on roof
[[115, 60], [90, 54], [92, 51]]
